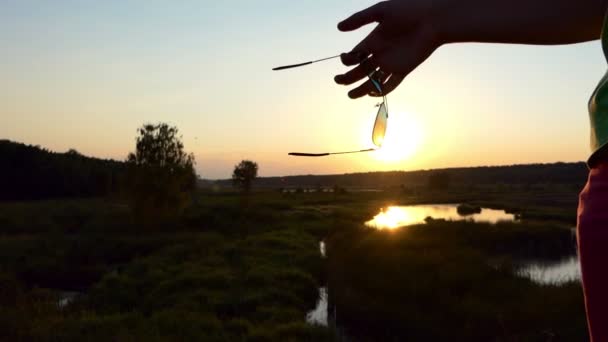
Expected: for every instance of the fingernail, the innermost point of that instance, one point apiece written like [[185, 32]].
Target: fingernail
[[338, 78], [351, 94]]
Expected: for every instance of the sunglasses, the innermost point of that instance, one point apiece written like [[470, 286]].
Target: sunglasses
[[376, 77]]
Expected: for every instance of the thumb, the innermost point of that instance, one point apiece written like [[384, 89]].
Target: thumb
[[367, 16]]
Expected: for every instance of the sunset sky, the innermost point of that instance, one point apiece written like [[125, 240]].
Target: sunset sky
[[86, 75]]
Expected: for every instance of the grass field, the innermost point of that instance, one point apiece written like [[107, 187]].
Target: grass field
[[231, 269]]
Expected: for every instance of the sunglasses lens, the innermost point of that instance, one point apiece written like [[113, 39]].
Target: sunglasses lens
[[380, 125]]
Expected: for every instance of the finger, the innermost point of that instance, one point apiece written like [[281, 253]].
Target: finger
[[367, 16], [362, 90], [359, 72], [353, 58], [366, 88], [371, 44]]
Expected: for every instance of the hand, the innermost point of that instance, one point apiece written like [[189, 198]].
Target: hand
[[402, 40]]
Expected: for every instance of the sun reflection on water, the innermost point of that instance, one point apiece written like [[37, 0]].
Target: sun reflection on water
[[399, 216], [392, 218]]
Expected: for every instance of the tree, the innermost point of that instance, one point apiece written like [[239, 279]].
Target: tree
[[74, 152], [243, 175], [161, 174]]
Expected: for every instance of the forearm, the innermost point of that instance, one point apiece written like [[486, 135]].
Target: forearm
[[518, 21]]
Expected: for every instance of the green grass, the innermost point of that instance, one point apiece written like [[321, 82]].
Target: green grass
[[224, 272], [235, 270]]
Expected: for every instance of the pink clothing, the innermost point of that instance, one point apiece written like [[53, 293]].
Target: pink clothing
[[592, 237]]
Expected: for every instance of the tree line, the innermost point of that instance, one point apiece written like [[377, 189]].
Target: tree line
[[158, 179], [30, 172], [574, 174]]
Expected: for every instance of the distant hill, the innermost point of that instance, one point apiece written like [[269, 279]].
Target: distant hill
[[31, 172], [556, 173]]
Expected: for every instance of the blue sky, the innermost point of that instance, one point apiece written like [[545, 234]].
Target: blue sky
[[85, 75]]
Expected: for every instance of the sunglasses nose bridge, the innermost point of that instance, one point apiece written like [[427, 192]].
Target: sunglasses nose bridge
[[375, 75], [376, 78]]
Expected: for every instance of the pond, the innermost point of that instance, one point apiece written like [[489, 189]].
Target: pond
[[400, 216], [541, 272], [544, 272], [66, 298], [322, 249], [318, 316], [557, 272]]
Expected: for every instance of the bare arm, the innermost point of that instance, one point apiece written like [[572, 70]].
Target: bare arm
[[409, 31], [521, 21]]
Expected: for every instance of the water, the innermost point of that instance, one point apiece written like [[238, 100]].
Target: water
[[318, 316], [555, 272], [66, 298], [540, 271], [400, 216], [552, 273], [322, 249]]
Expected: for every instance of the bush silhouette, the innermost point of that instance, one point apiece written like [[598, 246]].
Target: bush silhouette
[[243, 175]]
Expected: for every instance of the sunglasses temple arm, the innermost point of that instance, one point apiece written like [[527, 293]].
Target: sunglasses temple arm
[[303, 64], [300, 154], [290, 66], [366, 150]]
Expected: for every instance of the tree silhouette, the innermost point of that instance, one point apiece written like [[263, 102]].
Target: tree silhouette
[[161, 175], [243, 175]]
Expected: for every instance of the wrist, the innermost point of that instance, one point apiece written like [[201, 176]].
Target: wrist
[[452, 22], [434, 25]]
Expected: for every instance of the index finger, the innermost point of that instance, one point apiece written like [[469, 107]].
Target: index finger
[[367, 16]]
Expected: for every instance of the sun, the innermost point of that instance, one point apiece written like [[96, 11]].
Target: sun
[[402, 140]]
